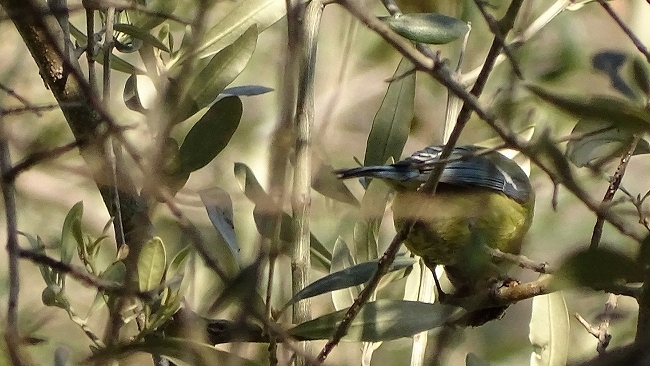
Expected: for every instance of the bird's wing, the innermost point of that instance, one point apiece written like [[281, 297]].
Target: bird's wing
[[465, 168]]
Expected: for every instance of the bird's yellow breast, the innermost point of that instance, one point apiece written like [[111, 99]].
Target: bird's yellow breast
[[452, 219]]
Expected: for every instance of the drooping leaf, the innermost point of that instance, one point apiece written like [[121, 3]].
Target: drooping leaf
[[151, 264], [380, 320], [210, 134], [247, 90], [621, 113], [177, 349], [431, 28], [141, 34], [549, 330], [351, 276], [600, 140], [392, 123], [37, 246], [70, 232], [325, 182], [218, 204], [264, 216]]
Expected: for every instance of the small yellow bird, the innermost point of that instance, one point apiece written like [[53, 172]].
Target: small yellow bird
[[483, 199]]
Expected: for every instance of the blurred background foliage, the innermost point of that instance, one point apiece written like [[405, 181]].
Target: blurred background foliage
[[352, 67]]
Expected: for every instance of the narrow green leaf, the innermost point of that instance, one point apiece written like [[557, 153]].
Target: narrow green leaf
[[431, 28], [37, 246], [641, 75], [178, 262], [366, 229], [141, 34], [247, 90], [381, 320], [210, 134], [351, 276], [71, 224], [621, 113], [222, 69], [392, 123], [325, 182], [261, 13], [249, 184], [549, 330], [151, 264], [177, 349], [218, 204]]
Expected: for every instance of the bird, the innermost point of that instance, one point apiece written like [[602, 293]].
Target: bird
[[483, 198]]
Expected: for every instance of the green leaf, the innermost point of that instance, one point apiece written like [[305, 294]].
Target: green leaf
[[598, 267], [264, 217], [621, 113], [391, 125], [70, 232], [156, 13], [141, 34], [641, 75], [325, 182], [351, 276], [176, 349], [131, 96], [549, 330], [247, 90], [261, 13], [38, 247], [222, 69], [366, 229], [342, 259], [178, 262], [151, 264], [210, 134], [381, 320], [218, 204], [431, 28], [600, 142]]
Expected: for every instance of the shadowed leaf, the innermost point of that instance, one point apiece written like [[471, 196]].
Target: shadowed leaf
[[218, 204], [431, 28], [549, 330]]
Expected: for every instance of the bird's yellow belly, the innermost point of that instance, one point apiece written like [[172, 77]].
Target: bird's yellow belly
[[453, 220]]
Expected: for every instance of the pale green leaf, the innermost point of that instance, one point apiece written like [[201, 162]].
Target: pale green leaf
[[70, 232], [431, 28], [342, 259], [151, 264], [549, 330]]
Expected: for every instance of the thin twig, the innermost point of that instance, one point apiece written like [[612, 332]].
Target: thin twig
[[39, 157], [28, 105], [520, 260], [637, 42]]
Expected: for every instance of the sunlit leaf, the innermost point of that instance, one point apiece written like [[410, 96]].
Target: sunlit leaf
[[431, 28], [131, 96], [157, 11], [151, 264], [351, 276], [210, 134], [549, 330], [381, 320], [342, 259], [325, 182], [261, 13], [177, 263], [218, 204], [366, 229]]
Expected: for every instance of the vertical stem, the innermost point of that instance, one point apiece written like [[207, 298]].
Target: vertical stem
[[301, 196], [12, 336]]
